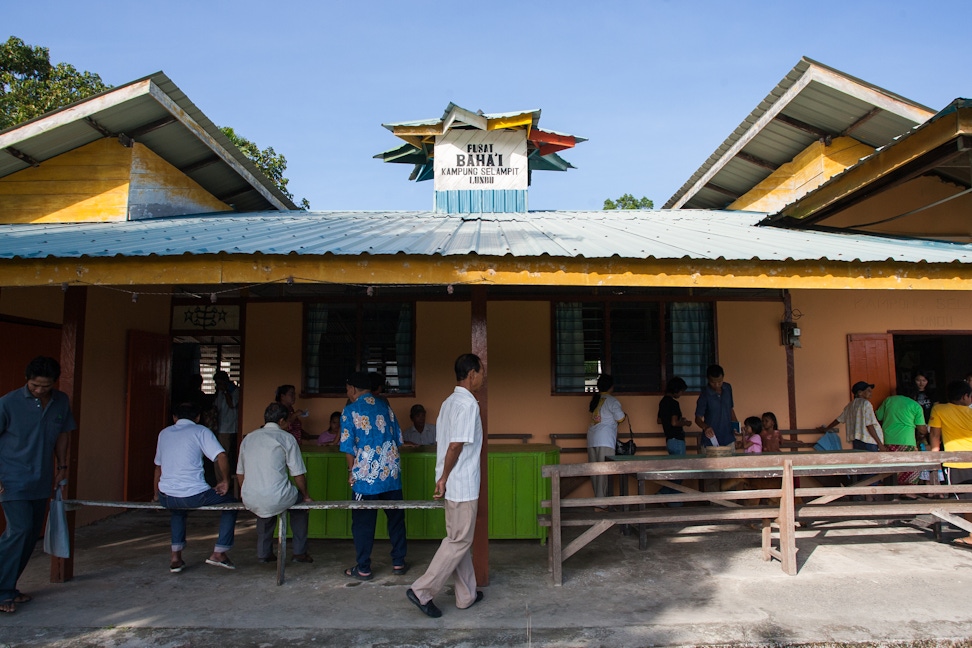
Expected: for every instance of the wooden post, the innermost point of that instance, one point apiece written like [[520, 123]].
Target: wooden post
[[72, 352], [479, 347], [281, 546], [790, 368], [788, 522], [556, 542]]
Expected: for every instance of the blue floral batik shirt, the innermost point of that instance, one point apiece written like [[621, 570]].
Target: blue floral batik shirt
[[370, 433]]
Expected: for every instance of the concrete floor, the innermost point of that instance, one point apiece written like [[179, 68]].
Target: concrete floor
[[863, 583]]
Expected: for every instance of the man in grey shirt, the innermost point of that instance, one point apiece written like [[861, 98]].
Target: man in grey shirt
[[421, 433]]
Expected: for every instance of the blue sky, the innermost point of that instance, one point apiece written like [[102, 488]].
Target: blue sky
[[655, 86]]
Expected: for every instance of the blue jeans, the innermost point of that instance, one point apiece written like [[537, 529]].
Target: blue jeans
[[675, 446], [363, 523], [25, 522], [179, 507], [857, 444]]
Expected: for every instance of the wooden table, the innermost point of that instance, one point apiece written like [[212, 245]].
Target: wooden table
[[662, 470]]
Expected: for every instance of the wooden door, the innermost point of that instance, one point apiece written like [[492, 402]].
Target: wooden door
[[871, 359], [22, 343], [147, 409]]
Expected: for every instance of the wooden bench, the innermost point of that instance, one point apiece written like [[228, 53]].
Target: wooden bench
[[523, 438], [654, 442], [281, 519], [727, 506]]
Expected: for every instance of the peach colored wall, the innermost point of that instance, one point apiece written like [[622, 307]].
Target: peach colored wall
[[101, 452], [272, 357], [43, 304], [753, 358], [822, 381], [444, 334]]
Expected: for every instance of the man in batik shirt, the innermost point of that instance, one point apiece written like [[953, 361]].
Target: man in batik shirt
[[370, 437]]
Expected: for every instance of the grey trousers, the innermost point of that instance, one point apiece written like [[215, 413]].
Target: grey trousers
[[297, 526], [601, 483]]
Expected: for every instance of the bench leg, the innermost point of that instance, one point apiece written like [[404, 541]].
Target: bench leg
[[642, 527], [281, 546], [556, 539], [787, 522], [767, 533]]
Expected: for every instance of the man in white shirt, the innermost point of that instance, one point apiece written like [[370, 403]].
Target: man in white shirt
[[457, 473], [180, 485], [268, 456], [421, 433]]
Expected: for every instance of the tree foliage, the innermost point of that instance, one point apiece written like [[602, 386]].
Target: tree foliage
[[627, 201], [272, 164], [31, 86]]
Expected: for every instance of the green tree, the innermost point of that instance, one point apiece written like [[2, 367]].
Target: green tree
[[627, 201], [272, 164], [31, 86]]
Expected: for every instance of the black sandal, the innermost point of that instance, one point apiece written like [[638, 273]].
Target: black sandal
[[354, 572]]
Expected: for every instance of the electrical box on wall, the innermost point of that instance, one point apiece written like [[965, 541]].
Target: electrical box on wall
[[789, 334]]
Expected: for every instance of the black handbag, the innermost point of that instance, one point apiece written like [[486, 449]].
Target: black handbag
[[626, 447]]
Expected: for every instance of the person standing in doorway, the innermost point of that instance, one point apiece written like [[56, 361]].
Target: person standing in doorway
[[34, 424], [457, 474], [228, 409]]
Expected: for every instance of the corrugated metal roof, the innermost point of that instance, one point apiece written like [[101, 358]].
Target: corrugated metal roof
[[156, 113], [815, 94], [663, 234]]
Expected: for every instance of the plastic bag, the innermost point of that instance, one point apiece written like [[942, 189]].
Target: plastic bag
[[57, 538]]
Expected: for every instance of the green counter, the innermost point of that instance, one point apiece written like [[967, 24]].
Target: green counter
[[515, 491]]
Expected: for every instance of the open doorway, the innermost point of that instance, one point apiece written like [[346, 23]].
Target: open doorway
[[203, 356], [943, 356]]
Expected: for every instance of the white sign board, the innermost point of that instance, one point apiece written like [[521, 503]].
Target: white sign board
[[483, 160]]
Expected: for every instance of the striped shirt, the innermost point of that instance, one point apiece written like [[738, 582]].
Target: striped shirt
[[459, 422]]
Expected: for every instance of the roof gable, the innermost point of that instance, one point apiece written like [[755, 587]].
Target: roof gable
[[813, 102], [154, 112]]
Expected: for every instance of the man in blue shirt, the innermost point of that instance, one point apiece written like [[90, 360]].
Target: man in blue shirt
[[714, 411], [370, 437], [34, 424]]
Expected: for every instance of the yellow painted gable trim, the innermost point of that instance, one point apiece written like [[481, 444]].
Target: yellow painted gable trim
[[884, 162], [808, 170], [441, 271], [88, 184], [517, 121]]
